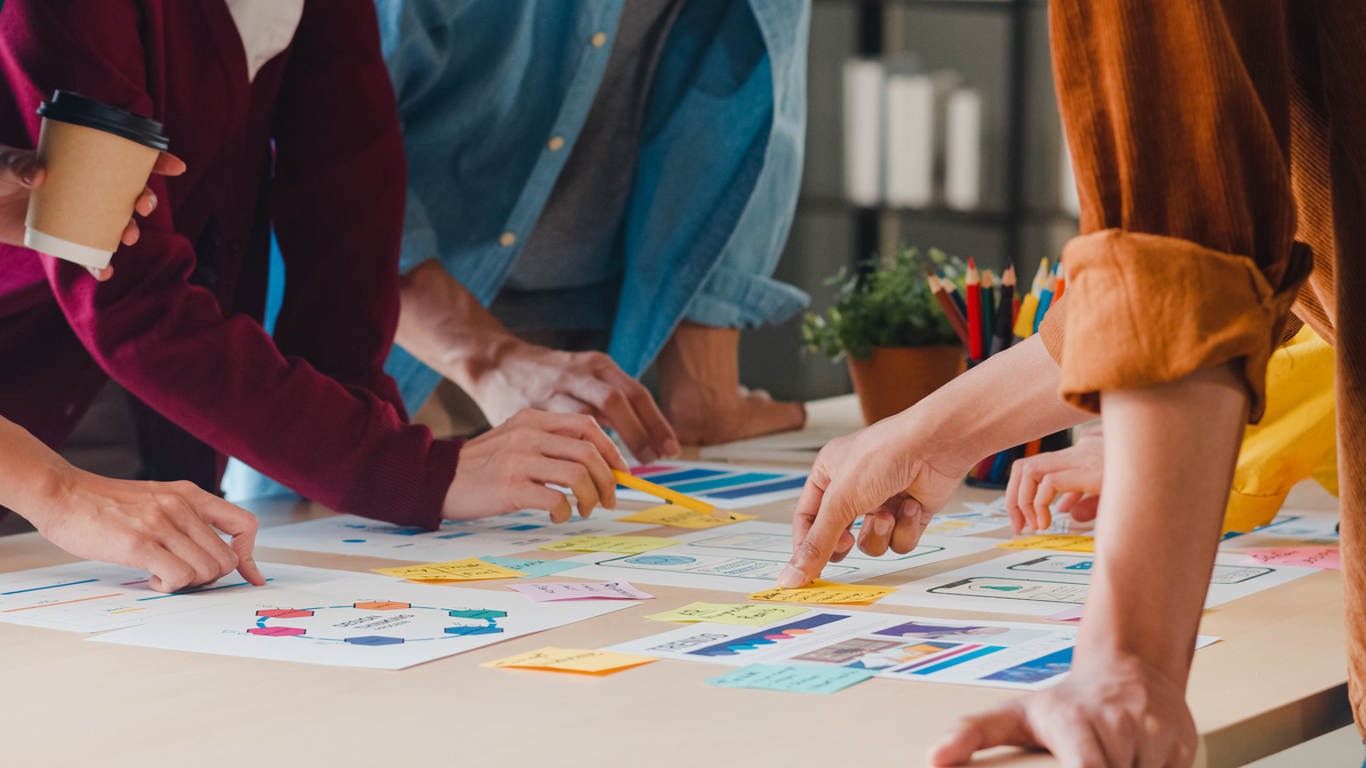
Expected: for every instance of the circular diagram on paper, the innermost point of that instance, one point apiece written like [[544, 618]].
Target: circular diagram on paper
[[661, 560], [376, 623]]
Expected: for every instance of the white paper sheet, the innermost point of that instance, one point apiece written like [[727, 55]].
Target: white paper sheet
[[1041, 582], [747, 557], [996, 654], [94, 597], [1290, 529], [503, 535], [356, 620], [728, 486]]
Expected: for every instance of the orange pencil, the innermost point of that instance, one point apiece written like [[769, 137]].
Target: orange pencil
[[1062, 283]]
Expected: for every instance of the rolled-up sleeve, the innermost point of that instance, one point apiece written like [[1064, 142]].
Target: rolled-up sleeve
[[1181, 146]]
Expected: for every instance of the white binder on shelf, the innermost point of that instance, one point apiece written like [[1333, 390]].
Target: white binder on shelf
[[910, 136], [863, 117], [963, 150]]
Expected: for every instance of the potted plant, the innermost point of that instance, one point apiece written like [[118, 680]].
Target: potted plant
[[888, 324]]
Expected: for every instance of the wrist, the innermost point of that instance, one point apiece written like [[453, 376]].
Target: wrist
[[45, 486], [474, 364]]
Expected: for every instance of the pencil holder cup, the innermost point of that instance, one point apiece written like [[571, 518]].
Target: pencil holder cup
[[993, 472]]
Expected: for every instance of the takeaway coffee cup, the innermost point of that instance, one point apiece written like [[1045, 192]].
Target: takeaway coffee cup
[[98, 159]]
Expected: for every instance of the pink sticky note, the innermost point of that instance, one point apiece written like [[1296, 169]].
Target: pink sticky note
[[1070, 614], [1306, 557], [610, 590]]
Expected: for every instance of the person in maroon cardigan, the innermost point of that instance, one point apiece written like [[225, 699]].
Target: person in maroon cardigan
[[310, 147]]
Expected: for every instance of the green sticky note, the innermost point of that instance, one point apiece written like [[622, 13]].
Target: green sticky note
[[533, 568], [792, 677], [742, 614]]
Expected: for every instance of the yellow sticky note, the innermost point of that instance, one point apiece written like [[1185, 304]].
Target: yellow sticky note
[[584, 662], [824, 592], [742, 614], [471, 569], [1056, 541], [682, 517], [622, 545]]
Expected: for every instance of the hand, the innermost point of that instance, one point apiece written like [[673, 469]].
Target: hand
[[881, 472], [590, 383], [508, 468], [1074, 472], [21, 173], [1104, 714], [159, 527]]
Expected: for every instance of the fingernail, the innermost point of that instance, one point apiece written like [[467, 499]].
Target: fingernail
[[882, 526], [791, 578], [95, 272], [671, 448]]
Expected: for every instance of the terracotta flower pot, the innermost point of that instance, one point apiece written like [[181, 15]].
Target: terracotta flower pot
[[895, 378]]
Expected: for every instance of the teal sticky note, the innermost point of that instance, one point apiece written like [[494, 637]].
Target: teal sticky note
[[792, 677], [533, 568]]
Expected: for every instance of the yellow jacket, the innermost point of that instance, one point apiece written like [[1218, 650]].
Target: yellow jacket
[[1296, 438]]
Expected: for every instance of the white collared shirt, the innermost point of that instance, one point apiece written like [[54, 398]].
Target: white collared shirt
[[266, 27]]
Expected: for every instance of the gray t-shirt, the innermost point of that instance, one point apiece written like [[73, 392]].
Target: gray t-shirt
[[568, 274]]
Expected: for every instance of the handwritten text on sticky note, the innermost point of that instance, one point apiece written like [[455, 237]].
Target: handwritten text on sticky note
[[682, 517], [826, 592], [792, 677], [1054, 541], [585, 662], [471, 569], [1328, 558], [623, 545]]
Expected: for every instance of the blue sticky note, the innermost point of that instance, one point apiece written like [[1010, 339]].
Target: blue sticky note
[[792, 677], [533, 568]]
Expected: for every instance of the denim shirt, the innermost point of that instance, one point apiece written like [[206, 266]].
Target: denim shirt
[[484, 86]]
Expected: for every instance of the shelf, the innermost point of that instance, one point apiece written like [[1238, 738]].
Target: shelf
[[971, 6], [827, 204]]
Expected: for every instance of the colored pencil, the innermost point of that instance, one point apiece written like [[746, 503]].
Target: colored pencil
[[1045, 299], [956, 297], [950, 309], [1024, 324], [673, 497], [988, 310], [1062, 283], [1005, 318], [974, 297]]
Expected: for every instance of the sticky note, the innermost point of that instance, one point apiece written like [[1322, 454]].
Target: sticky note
[[741, 614], [1055, 541], [1067, 614], [543, 592], [820, 591], [584, 662], [792, 677], [622, 545], [533, 568], [1328, 558], [681, 517], [470, 569]]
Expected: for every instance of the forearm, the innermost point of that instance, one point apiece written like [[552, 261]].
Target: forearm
[[1170, 451], [31, 474], [442, 324], [1008, 400]]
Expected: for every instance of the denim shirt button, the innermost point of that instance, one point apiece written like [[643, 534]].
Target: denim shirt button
[[556, 144], [600, 39], [507, 239]]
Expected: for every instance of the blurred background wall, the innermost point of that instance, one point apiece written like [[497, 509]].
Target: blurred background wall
[[998, 48]]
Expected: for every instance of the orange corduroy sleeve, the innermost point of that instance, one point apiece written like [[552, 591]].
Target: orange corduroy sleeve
[[1187, 256]]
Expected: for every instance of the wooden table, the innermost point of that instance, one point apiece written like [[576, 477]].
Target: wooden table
[[1276, 679]]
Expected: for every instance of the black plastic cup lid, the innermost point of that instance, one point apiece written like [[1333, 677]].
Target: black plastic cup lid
[[76, 109]]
